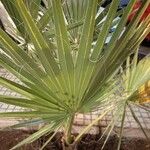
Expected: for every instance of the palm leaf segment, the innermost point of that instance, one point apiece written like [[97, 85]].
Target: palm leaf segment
[[66, 73], [136, 79]]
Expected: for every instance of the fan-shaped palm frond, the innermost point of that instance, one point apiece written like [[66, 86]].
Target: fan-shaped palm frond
[[135, 83], [68, 69]]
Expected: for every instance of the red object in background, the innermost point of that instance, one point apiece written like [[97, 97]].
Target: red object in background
[[146, 13]]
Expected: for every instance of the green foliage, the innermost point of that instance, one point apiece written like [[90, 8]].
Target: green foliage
[[65, 66]]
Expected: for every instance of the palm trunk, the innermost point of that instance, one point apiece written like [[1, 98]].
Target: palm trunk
[[69, 138]]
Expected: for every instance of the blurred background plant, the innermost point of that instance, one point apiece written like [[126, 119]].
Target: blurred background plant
[[71, 56]]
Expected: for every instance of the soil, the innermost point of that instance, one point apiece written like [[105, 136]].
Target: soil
[[89, 142]]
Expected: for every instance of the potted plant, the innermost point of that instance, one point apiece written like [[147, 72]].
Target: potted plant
[[65, 66]]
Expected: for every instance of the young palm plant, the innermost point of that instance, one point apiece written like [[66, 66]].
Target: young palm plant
[[134, 91], [63, 62]]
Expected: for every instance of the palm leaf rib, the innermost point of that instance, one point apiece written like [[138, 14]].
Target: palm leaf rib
[[26, 103], [99, 44], [29, 93], [41, 46], [14, 14], [118, 49], [64, 49], [44, 20], [85, 47], [36, 135], [24, 76], [19, 56]]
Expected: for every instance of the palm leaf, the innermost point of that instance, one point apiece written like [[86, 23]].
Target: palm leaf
[[33, 6], [35, 136], [65, 65], [14, 14], [64, 49], [85, 47]]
